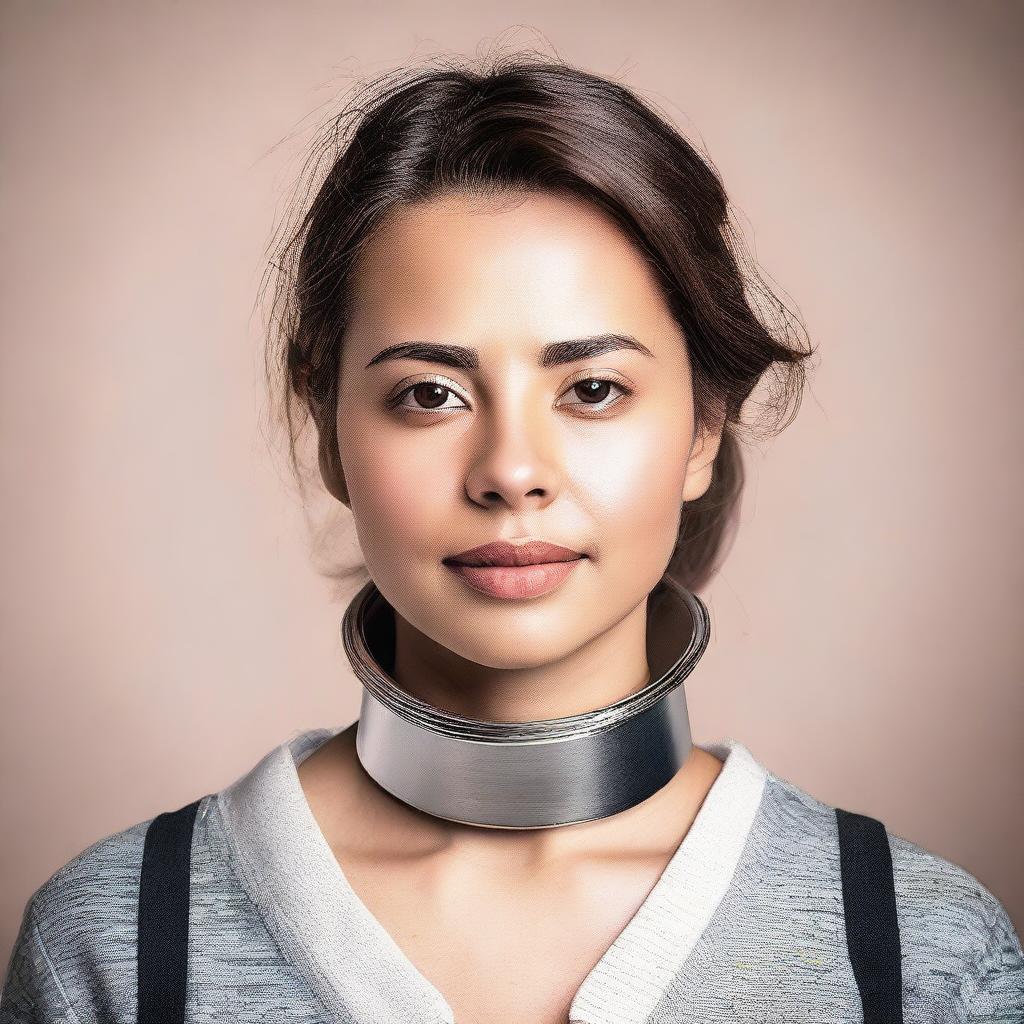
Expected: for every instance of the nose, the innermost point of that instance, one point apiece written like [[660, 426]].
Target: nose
[[517, 465]]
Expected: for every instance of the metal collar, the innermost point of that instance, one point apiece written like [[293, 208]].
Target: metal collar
[[542, 774]]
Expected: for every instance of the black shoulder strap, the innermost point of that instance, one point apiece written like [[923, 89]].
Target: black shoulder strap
[[163, 916], [869, 905]]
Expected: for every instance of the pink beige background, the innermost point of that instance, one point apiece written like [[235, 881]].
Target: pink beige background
[[164, 622]]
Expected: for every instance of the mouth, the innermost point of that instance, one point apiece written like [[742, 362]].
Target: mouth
[[514, 572]]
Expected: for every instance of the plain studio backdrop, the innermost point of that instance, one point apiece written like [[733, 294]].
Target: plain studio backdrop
[[164, 619]]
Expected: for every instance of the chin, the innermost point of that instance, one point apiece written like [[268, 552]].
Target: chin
[[507, 634], [515, 652]]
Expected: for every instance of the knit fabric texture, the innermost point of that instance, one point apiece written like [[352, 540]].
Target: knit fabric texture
[[745, 924]]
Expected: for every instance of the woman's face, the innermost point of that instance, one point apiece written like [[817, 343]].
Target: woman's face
[[588, 451]]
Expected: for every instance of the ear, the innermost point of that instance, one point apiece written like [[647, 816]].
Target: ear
[[331, 472], [700, 464]]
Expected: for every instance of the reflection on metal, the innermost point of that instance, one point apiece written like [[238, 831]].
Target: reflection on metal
[[557, 771]]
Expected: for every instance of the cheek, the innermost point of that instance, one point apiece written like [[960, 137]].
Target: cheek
[[633, 483], [401, 495]]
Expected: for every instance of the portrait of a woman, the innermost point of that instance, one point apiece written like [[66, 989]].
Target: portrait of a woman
[[515, 314]]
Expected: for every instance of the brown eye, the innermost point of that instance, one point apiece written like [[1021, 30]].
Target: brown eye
[[426, 396], [430, 396], [593, 390], [593, 394]]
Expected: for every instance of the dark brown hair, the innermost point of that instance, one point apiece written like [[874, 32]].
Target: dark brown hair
[[524, 123]]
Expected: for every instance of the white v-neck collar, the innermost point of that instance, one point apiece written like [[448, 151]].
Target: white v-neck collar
[[361, 974]]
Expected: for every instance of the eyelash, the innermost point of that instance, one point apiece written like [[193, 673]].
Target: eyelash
[[395, 402]]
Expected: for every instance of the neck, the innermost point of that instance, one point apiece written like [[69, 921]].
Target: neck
[[540, 773], [611, 666], [608, 762]]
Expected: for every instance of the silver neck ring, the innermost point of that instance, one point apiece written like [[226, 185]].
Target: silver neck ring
[[541, 774]]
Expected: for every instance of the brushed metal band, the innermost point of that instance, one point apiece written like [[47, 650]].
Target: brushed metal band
[[557, 771]]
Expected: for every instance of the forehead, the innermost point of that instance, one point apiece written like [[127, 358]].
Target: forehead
[[527, 269]]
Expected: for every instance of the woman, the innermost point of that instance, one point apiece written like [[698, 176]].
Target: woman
[[515, 315]]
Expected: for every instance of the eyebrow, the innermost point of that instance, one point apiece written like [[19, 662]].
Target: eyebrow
[[555, 353]]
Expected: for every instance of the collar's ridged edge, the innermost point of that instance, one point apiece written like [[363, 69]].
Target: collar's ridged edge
[[625, 990], [395, 700]]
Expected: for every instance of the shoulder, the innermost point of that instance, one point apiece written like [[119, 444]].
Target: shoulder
[[76, 944], [956, 928], [956, 937], [109, 869]]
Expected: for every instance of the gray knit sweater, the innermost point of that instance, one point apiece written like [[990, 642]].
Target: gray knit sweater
[[745, 924]]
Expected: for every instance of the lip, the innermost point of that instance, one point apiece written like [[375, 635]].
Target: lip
[[514, 572], [505, 553], [516, 582]]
